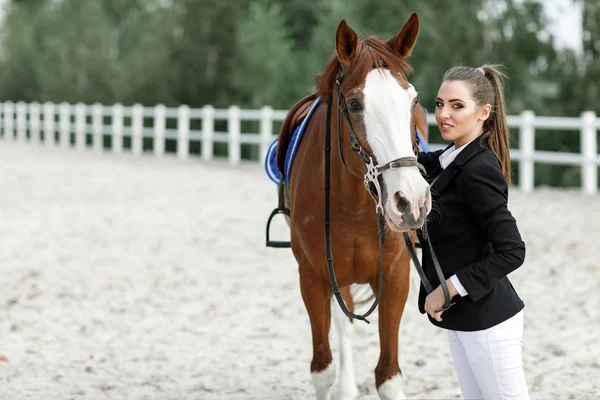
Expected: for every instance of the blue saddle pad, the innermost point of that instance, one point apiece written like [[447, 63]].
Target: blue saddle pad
[[271, 160], [423, 143]]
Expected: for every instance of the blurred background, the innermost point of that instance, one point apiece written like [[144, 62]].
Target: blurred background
[[267, 53]]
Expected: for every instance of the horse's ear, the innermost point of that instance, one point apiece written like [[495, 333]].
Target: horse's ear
[[403, 41], [346, 42]]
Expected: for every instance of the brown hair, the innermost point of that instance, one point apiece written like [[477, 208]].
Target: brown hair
[[486, 88]]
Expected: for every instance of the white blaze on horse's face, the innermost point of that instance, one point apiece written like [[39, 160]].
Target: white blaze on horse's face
[[387, 119]]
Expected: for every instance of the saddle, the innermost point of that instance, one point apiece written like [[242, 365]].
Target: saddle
[[291, 131]]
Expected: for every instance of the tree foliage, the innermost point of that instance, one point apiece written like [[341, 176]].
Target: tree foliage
[[268, 52], [264, 54]]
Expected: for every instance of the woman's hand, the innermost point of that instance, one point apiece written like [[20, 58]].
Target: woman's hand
[[435, 300]]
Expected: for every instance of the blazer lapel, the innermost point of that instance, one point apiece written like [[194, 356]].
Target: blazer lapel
[[453, 169], [444, 178]]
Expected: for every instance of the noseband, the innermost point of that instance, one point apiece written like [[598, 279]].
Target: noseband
[[371, 181]]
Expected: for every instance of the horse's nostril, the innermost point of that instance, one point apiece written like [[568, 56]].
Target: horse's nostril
[[401, 203]]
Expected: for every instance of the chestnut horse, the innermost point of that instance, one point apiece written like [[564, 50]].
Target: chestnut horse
[[365, 85]]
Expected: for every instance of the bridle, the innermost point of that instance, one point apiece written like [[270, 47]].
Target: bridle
[[373, 170], [371, 181]]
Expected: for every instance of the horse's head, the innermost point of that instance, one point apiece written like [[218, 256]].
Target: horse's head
[[367, 78]]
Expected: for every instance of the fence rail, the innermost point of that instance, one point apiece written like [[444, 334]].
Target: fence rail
[[68, 125]]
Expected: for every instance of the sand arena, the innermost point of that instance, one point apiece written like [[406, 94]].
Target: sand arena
[[144, 278]]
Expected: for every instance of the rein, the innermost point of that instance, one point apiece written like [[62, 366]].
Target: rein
[[436, 264], [373, 187], [332, 279]]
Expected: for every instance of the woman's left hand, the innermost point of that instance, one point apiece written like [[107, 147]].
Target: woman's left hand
[[435, 300]]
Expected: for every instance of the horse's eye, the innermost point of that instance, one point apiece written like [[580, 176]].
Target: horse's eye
[[354, 105]]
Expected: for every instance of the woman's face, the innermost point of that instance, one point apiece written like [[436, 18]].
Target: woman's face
[[459, 118]]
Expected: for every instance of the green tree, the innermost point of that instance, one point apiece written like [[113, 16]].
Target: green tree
[[265, 68], [515, 41], [142, 33], [575, 74], [203, 50], [585, 70], [591, 56], [301, 17], [19, 79], [75, 62]]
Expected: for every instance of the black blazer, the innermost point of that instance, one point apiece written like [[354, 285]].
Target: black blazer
[[474, 236]]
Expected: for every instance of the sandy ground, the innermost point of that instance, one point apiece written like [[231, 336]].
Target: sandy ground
[[145, 278]]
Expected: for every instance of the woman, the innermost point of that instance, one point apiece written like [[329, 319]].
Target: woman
[[475, 237]]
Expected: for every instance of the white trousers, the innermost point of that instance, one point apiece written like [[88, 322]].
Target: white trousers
[[489, 363]]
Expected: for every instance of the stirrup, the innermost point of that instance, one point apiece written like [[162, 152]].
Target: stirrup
[[277, 243]]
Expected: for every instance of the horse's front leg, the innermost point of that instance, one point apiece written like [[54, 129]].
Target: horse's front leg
[[388, 376], [316, 295], [345, 387]]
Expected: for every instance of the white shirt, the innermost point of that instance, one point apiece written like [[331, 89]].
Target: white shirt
[[446, 159], [450, 154]]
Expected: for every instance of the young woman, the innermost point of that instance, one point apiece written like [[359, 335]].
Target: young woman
[[475, 237]]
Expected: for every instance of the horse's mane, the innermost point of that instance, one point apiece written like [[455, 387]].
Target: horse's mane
[[370, 52]]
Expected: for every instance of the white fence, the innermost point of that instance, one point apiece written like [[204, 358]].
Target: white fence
[[65, 124]]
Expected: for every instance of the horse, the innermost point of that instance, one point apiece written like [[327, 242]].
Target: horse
[[369, 104]]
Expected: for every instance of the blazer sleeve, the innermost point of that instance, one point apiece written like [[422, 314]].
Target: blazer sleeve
[[486, 194], [430, 160]]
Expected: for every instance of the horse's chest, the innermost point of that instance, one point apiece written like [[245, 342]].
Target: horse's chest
[[358, 253]]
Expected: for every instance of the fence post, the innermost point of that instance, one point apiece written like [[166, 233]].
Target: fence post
[[589, 171], [117, 128], [527, 148], [49, 133], [234, 135], [183, 131], [137, 119], [266, 131], [1, 121], [9, 119], [160, 113], [21, 122], [64, 123], [208, 131], [34, 123], [80, 114], [97, 125]]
